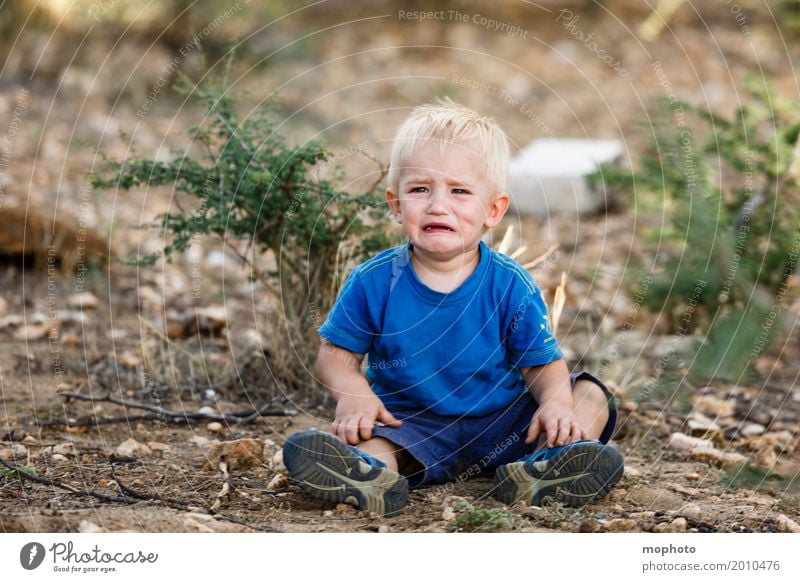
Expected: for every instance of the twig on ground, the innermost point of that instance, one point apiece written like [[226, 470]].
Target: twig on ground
[[237, 417], [226, 485]]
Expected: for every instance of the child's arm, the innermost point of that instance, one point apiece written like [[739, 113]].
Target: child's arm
[[357, 406], [550, 387]]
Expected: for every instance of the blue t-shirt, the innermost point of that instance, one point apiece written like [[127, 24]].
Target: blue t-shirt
[[455, 353]]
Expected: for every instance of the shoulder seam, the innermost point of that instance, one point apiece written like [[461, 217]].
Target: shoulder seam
[[515, 268], [367, 267]]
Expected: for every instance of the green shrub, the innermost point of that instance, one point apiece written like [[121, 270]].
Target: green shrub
[[721, 200], [249, 185]]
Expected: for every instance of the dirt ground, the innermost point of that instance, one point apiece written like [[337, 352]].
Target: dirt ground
[[744, 476]]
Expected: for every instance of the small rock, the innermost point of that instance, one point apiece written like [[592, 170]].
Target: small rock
[[215, 427], [207, 410], [765, 457], [207, 524], [158, 447], [211, 319], [279, 481], [384, 529], [752, 429], [57, 458], [13, 451], [129, 360], [620, 524], [683, 442], [85, 300], [448, 513], [87, 526], [71, 339], [201, 441], [787, 524], [66, 449], [276, 463], [711, 455], [71, 316], [132, 448], [692, 510], [590, 526], [714, 407], [345, 508], [700, 424], [631, 472], [677, 525], [11, 321], [238, 454], [617, 494], [692, 476], [643, 515], [327, 513], [781, 441], [29, 440], [34, 332]]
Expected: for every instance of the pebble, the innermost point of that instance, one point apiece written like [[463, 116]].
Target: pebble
[[13, 451], [787, 524], [279, 481], [711, 455], [752, 429], [207, 410], [33, 332], [85, 300], [643, 514], [66, 449], [132, 448], [692, 510], [620, 524], [684, 442], [384, 529], [276, 463], [713, 406], [765, 457], [677, 525], [631, 472], [215, 427]]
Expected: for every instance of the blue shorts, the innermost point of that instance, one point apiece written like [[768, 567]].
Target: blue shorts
[[451, 448]]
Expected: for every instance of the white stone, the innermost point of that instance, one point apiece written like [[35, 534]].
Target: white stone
[[549, 175], [683, 442], [85, 300]]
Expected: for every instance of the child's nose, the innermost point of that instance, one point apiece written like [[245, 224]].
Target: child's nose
[[438, 201]]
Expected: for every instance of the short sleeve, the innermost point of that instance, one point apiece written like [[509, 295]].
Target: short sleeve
[[348, 324], [530, 339]]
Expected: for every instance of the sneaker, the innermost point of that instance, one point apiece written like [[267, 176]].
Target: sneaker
[[573, 474], [328, 469]]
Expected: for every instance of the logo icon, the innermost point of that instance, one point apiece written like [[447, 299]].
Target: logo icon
[[31, 555]]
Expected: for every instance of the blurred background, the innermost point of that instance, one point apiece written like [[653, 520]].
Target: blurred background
[[677, 279]]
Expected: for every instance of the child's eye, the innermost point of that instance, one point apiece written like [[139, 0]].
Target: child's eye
[[460, 191], [419, 189]]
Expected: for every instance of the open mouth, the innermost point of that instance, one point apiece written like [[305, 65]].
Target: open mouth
[[437, 228]]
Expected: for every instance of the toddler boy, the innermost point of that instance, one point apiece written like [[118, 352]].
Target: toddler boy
[[464, 375]]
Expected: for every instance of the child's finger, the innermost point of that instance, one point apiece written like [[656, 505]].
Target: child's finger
[[365, 424], [564, 430], [551, 428], [533, 431], [388, 418], [351, 431]]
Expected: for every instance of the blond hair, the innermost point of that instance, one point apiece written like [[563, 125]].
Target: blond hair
[[448, 123]]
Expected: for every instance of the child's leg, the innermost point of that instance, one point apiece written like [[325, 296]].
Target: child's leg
[[591, 408], [382, 449]]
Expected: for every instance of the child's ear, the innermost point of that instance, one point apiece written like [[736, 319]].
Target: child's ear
[[497, 209], [394, 204]]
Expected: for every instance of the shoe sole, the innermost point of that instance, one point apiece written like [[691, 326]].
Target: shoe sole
[[578, 475], [324, 467]]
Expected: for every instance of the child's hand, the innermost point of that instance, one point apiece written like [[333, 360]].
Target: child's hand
[[557, 421], [356, 416]]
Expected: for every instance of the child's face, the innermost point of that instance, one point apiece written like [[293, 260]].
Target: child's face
[[445, 200]]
